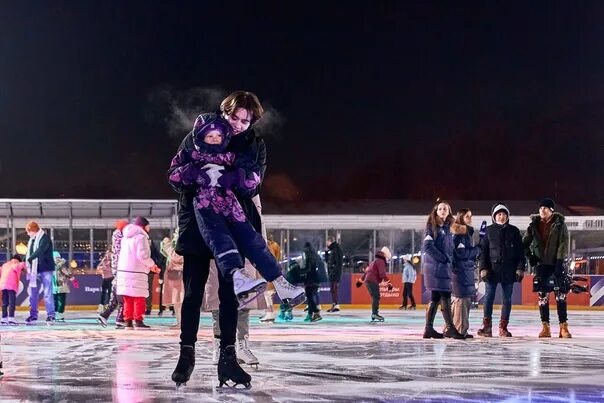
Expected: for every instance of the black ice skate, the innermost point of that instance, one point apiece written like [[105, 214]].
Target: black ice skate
[[184, 367], [229, 370], [376, 318]]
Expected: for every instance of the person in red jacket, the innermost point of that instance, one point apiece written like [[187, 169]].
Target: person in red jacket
[[374, 274]]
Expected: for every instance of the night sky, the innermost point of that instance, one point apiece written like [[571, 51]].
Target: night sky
[[376, 99]]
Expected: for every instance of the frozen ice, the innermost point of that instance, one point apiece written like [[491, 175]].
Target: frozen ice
[[344, 357]]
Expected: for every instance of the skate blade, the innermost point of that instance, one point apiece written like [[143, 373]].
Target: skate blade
[[225, 386], [298, 300], [243, 301], [180, 386]]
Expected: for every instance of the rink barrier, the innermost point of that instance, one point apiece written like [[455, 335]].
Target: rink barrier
[[88, 294]]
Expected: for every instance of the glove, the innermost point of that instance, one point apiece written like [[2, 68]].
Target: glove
[[75, 283], [559, 268], [483, 229], [209, 174], [359, 283], [390, 287], [533, 260], [484, 273], [519, 275], [232, 178]]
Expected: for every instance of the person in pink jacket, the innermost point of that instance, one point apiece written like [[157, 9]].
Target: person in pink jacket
[[374, 274], [133, 267], [9, 284]]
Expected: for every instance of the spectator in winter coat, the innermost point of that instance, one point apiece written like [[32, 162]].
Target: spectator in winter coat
[[335, 261], [437, 259], [462, 281], [546, 247], [409, 277], [220, 217], [116, 300], [60, 286], [133, 268], [501, 262], [312, 271], [9, 286], [160, 262], [375, 274], [173, 290], [40, 266]]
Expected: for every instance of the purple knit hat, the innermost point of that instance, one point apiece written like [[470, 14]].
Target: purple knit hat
[[203, 126]]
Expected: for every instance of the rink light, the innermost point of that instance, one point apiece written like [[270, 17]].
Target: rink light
[[21, 248]]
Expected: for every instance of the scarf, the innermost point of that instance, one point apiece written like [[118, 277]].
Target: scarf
[[32, 268]]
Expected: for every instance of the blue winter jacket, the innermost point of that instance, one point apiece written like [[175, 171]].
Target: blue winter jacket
[[437, 258], [464, 262]]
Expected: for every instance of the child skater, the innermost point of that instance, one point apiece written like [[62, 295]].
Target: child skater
[[9, 284], [374, 274], [133, 269], [60, 285], [220, 217]]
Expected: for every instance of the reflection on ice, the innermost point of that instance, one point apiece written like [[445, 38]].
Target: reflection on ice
[[342, 358]]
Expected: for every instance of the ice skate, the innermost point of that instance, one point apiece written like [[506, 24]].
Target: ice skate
[[4, 322], [30, 321], [128, 325], [140, 325], [244, 354], [245, 286], [288, 292], [289, 315], [216, 351], [102, 320], [230, 371], [100, 308], [334, 308], [184, 367], [59, 317], [12, 322], [269, 317], [376, 317], [316, 317], [50, 320]]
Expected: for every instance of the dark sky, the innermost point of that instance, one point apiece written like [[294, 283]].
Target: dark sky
[[376, 99]]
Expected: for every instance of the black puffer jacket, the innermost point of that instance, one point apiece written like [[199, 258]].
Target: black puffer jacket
[[247, 145], [502, 253]]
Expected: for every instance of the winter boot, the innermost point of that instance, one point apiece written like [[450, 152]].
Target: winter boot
[[450, 330], [229, 369], [487, 328], [215, 350], [546, 331], [185, 365], [140, 325], [503, 329], [244, 354], [564, 333], [244, 285], [119, 319], [288, 292], [376, 317], [429, 332]]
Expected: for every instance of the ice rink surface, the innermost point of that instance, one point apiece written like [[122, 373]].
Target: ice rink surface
[[344, 358]]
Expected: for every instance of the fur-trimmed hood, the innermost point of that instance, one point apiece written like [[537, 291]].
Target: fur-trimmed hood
[[459, 229]]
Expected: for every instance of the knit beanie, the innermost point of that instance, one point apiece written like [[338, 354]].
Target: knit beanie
[[386, 251], [141, 221], [547, 202]]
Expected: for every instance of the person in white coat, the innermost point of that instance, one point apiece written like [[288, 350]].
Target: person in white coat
[[133, 267]]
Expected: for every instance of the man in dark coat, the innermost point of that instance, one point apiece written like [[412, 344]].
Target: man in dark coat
[[334, 259], [501, 262], [546, 248]]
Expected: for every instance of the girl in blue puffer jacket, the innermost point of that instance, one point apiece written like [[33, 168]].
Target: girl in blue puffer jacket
[[464, 263], [437, 258]]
